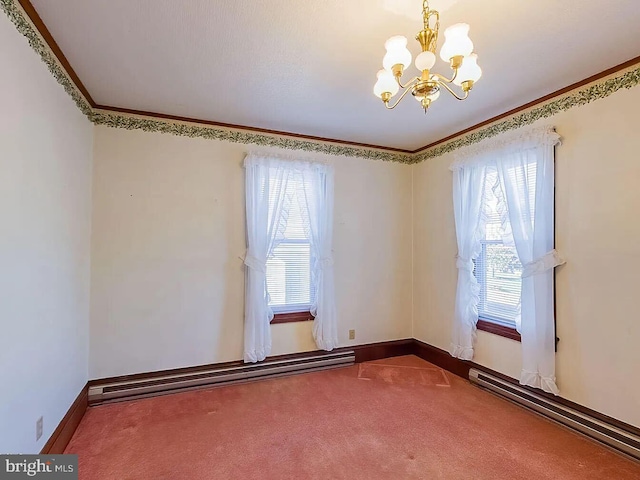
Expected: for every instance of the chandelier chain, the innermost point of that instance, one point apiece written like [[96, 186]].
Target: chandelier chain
[[425, 13], [426, 18]]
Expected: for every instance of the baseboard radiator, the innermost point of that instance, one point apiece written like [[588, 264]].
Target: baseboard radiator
[[621, 440], [171, 383]]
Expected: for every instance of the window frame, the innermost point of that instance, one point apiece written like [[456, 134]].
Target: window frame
[[290, 317], [502, 330]]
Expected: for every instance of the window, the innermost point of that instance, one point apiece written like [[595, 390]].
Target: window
[[289, 267], [497, 267], [503, 195]]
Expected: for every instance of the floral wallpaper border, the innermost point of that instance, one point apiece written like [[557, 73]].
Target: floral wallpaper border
[[238, 136], [577, 98], [584, 96], [24, 26]]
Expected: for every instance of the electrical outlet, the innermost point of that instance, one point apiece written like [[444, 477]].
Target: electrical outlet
[[38, 429], [352, 334]]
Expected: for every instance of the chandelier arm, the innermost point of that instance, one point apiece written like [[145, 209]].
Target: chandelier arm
[[443, 79], [466, 94], [386, 104], [413, 80]]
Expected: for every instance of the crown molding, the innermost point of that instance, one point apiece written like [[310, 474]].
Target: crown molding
[[285, 141], [595, 88], [38, 43], [267, 131], [39, 25], [28, 23]]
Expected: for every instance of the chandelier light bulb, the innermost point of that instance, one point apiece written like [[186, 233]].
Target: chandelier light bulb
[[397, 53], [386, 83], [457, 42], [425, 61], [396, 42], [469, 70]]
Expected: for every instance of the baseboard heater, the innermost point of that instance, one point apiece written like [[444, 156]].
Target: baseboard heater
[[171, 383], [621, 440]]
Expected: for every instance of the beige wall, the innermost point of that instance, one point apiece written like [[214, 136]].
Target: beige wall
[[45, 213], [168, 233], [168, 284], [598, 232]]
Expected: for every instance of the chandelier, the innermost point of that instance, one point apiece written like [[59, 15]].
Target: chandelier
[[457, 51]]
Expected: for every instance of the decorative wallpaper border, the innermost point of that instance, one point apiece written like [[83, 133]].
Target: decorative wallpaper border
[[577, 98], [17, 16], [128, 122]]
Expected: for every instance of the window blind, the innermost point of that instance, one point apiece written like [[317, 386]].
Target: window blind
[[289, 268], [497, 268]]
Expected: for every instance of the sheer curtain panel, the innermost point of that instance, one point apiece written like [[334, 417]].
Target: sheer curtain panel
[[531, 218], [266, 223], [317, 199], [468, 193]]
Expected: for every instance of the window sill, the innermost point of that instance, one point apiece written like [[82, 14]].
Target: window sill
[[497, 329], [292, 317]]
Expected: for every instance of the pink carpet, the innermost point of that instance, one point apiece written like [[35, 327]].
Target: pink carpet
[[396, 419]]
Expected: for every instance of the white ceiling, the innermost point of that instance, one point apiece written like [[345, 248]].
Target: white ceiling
[[308, 66]]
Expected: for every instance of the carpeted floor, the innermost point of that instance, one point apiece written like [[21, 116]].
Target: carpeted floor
[[397, 419]]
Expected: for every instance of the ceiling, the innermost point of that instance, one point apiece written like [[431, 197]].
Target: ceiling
[[309, 66]]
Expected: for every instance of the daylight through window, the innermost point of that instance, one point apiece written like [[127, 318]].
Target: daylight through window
[[289, 268]]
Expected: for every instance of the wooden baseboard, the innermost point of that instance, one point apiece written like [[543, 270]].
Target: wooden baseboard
[[66, 428], [442, 359], [461, 368], [364, 353], [380, 350]]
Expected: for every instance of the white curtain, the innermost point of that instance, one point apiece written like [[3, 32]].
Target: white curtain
[[266, 225], [531, 216], [468, 183], [268, 177], [317, 202], [530, 213]]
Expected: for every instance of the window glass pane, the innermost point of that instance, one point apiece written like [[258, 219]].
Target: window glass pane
[[288, 275], [289, 268], [499, 270]]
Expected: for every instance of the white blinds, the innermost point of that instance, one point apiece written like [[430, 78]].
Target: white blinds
[[289, 268], [497, 268]]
